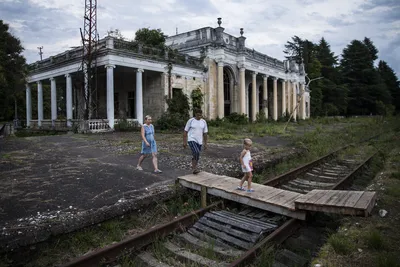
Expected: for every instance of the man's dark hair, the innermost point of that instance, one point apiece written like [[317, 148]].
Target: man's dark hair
[[197, 110]]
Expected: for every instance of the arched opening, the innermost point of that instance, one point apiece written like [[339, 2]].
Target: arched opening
[[260, 98], [228, 91], [249, 95]]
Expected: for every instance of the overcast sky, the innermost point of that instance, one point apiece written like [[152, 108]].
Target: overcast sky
[[268, 24]]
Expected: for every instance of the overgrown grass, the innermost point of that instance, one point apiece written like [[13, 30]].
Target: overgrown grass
[[63, 248], [341, 244], [372, 241]]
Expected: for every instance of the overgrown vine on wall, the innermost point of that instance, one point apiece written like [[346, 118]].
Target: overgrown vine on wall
[[197, 97]]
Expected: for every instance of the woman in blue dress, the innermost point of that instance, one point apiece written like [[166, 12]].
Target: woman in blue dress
[[149, 145]]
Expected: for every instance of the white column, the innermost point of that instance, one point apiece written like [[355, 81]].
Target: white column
[[303, 102], [275, 96], [283, 98], [220, 93], [242, 91], [53, 100], [254, 97], [139, 96], [69, 99], [110, 95], [28, 105], [265, 95], [40, 102], [294, 99], [289, 93]]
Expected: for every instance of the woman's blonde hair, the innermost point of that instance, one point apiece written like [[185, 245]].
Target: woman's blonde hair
[[147, 117]]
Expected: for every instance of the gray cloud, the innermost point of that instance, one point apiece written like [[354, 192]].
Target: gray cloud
[[267, 25]]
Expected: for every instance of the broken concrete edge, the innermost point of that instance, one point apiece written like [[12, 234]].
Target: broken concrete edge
[[83, 219], [88, 218]]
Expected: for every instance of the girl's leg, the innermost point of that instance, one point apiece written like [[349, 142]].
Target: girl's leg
[[155, 161], [250, 178], [243, 179]]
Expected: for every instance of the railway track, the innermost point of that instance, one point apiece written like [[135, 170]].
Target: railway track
[[219, 236]]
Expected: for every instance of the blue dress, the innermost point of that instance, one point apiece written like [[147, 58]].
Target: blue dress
[[149, 135]]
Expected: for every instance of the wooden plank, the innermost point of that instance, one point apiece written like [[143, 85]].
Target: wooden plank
[[370, 206], [264, 197], [325, 198], [286, 199], [203, 197], [247, 200], [249, 237], [310, 197], [223, 236], [365, 200], [333, 196], [343, 199], [355, 196]]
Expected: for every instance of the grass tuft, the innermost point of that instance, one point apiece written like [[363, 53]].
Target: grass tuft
[[341, 244]]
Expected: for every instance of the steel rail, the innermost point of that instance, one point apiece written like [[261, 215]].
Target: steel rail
[[287, 229], [136, 242]]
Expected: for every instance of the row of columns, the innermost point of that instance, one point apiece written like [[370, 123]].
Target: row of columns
[[287, 86], [110, 98]]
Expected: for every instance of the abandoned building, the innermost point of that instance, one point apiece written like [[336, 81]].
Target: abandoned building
[[132, 81]]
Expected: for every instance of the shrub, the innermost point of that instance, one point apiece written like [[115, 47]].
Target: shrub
[[235, 118], [172, 121]]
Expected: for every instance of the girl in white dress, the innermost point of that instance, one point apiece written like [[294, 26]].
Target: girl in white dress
[[247, 165]]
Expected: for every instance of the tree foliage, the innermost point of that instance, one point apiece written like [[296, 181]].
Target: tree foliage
[[150, 37], [12, 73], [353, 86]]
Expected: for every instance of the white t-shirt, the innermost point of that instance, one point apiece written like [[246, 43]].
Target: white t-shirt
[[195, 129]]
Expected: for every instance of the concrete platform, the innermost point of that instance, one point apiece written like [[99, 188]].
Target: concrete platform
[[57, 184]]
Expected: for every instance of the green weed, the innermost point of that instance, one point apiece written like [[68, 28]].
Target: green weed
[[341, 244], [374, 240]]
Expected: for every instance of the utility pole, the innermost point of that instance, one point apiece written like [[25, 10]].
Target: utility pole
[[40, 52], [90, 38], [301, 97]]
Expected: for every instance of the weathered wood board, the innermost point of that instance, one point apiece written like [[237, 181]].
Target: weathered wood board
[[264, 197], [358, 203]]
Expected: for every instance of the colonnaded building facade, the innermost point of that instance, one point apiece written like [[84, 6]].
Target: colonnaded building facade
[[132, 81]]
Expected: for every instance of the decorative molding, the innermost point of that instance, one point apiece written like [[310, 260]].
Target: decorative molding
[[109, 66], [140, 70]]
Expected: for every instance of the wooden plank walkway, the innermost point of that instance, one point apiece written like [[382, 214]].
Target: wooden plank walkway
[[264, 197], [280, 201], [358, 203]]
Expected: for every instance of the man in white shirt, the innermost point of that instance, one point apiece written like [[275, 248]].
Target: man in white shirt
[[196, 128]]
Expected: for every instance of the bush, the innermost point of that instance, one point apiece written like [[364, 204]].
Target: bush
[[260, 117], [171, 121], [235, 118], [177, 113], [125, 126]]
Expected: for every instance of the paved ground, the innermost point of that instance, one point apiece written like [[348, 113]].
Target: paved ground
[[55, 184]]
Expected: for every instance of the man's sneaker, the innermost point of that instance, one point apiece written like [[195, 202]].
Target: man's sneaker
[[157, 171], [250, 190], [139, 168], [196, 171]]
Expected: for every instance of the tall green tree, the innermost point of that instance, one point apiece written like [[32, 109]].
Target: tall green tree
[[366, 87], [327, 59], [302, 51], [294, 49], [391, 81], [334, 94], [12, 72]]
